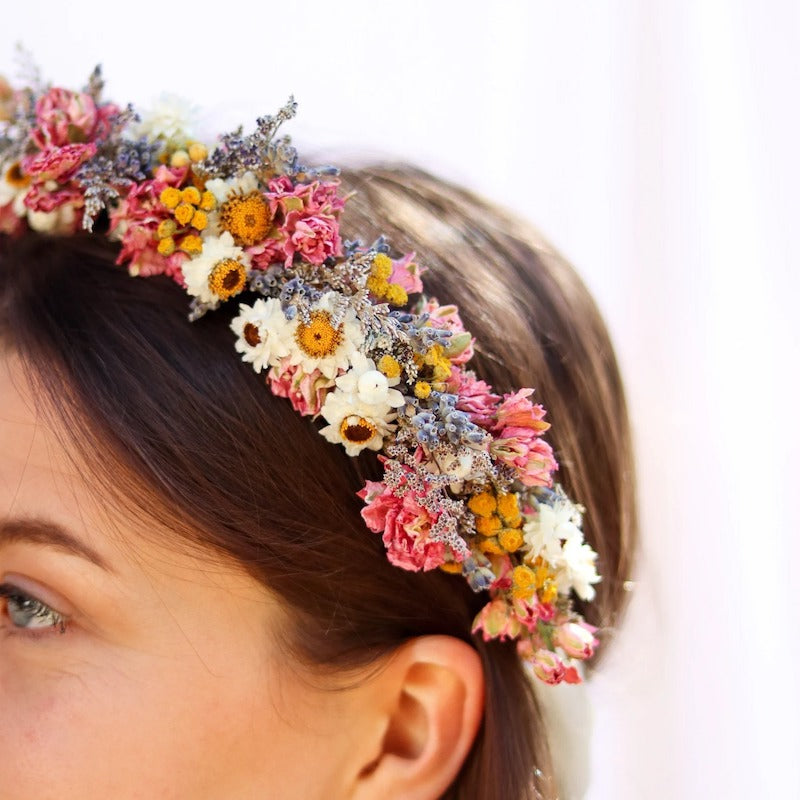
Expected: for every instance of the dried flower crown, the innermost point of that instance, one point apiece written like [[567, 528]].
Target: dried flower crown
[[468, 477]]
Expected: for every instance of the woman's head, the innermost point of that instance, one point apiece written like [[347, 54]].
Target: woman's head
[[253, 639]]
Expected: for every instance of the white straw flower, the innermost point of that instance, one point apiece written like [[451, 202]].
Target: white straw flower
[[361, 408], [319, 344], [259, 329], [219, 272], [552, 525]]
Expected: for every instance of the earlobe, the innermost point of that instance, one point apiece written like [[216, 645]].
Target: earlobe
[[432, 702]]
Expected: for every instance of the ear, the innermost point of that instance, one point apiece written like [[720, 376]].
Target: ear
[[429, 706]]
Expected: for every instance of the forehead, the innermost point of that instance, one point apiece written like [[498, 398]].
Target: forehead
[[43, 477]]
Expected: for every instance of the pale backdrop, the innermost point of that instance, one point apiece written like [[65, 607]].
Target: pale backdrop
[[656, 144]]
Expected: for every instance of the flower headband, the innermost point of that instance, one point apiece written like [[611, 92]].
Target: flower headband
[[467, 476]]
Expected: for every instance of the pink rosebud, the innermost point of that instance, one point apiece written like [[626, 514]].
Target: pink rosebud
[[406, 527], [497, 621], [576, 640], [531, 456], [57, 163], [64, 117], [305, 390], [548, 667], [475, 397], [313, 238]]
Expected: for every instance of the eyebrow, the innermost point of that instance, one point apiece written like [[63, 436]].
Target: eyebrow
[[51, 534]]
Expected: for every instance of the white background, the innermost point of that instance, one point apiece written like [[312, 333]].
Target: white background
[[657, 145]]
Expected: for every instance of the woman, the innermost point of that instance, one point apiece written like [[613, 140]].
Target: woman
[[193, 606]]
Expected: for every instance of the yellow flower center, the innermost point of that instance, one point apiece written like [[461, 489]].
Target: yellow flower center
[[15, 176], [357, 430], [318, 338], [246, 218], [227, 278]]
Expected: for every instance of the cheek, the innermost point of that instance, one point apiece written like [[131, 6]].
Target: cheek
[[130, 725], [87, 730]]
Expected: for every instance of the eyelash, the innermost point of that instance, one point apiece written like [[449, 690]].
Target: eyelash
[[35, 610]]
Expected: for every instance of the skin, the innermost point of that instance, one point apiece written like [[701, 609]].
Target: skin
[[167, 679]]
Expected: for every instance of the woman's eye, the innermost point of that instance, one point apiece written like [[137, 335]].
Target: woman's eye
[[27, 612]]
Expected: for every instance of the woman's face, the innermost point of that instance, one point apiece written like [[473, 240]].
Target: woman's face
[[130, 668]]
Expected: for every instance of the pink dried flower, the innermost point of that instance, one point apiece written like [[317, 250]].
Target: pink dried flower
[[530, 455], [517, 411], [406, 272], [475, 397], [305, 390], [314, 238], [58, 163], [40, 199], [64, 117], [548, 667], [135, 222], [497, 621], [405, 525], [271, 250], [312, 198], [576, 640]]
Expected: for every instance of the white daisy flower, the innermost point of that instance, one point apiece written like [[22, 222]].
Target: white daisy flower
[[552, 525], [361, 408], [223, 189], [171, 119], [576, 569], [319, 345], [259, 330], [219, 272]]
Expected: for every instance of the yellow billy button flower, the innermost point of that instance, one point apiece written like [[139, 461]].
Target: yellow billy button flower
[[452, 567], [524, 582], [436, 358], [389, 366], [377, 285], [422, 390], [508, 505], [170, 197], [483, 504], [207, 201], [511, 539], [184, 213], [382, 267], [197, 152], [396, 295], [180, 158], [488, 526], [166, 228], [166, 246], [199, 220], [191, 244], [548, 592], [191, 195], [491, 547]]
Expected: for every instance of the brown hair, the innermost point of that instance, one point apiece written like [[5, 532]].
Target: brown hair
[[231, 466]]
